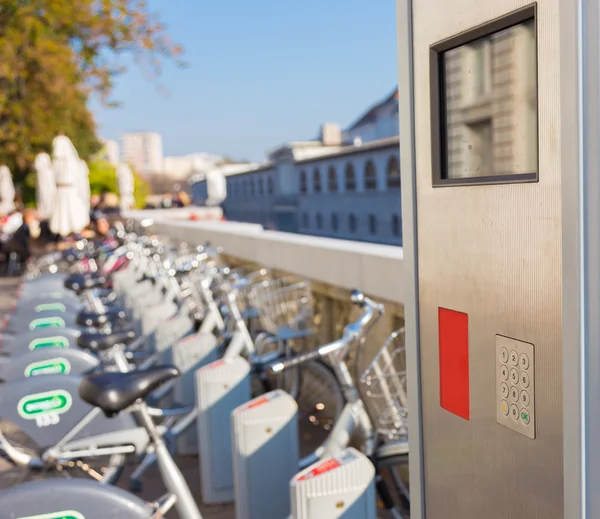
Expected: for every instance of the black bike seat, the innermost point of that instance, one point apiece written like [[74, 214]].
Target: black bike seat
[[90, 318], [104, 341], [114, 391], [80, 282]]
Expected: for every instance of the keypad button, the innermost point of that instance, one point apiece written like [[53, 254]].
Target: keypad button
[[514, 394], [524, 361], [524, 380], [514, 412], [504, 390], [525, 417], [525, 400], [514, 358], [504, 372], [504, 407], [514, 377], [504, 355]]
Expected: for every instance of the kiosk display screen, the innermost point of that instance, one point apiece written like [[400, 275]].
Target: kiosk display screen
[[484, 103]]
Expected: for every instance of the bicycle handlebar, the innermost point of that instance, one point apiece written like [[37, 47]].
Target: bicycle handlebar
[[352, 332]]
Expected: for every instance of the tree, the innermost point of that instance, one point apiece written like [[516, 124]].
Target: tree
[[103, 178], [53, 55]]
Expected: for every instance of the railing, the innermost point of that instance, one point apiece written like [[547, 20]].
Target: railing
[[335, 267]]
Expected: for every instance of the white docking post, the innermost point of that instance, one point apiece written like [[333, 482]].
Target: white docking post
[[339, 487], [265, 455], [222, 386]]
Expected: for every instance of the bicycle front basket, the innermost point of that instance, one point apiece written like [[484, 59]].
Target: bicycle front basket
[[383, 383]]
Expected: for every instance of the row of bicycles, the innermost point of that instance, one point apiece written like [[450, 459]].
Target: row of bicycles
[[134, 349]]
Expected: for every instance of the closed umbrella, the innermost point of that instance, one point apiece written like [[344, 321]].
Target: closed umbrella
[[70, 214], [83, 184], [7, 191], [126, 186], [45, 185]]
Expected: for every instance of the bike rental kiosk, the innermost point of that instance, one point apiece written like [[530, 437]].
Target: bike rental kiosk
[[500, 156]]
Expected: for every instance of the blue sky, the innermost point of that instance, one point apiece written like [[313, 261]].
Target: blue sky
[[260, 73]]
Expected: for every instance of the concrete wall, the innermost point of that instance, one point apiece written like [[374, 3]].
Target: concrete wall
[[375, 269]]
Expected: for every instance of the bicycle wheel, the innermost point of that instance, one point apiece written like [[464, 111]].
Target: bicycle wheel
[[320, 402], [107, 468]]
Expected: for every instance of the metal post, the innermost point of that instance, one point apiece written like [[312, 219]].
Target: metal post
[[410, 245]]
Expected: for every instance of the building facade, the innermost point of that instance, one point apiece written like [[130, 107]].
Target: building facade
[[347, 188], [144, 151]]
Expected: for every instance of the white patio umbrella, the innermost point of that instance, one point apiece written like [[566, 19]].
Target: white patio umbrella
[[70, 214], [83, 183], [45, 192], [7, 191], [126, 186]]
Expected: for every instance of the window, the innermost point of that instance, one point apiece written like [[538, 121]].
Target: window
[[251, 180], [244, 186], [319, 221], [334, 222], [305, 220], [372, 224], [370, 176], [482, 81], [393, 173], [350, 178], [316, 181], [332, 182], [270, 185], [303, 182], [396, 226], [260, 186], [352, 223]]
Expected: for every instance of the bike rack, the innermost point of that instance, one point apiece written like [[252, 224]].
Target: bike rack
[[221, 387], [338, 487], [265, 455]]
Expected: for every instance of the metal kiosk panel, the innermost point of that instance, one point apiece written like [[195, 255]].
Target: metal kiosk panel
[[494, 212]]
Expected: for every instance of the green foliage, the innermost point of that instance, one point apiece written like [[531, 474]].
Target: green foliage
[[141, 189], [103, 177], [53, 55]]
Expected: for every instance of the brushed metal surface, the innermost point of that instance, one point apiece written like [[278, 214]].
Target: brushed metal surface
[[493, 252]]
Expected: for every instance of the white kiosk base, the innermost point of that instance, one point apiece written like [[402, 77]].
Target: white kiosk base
[[265, 455], [222, 386], [338, 487], [188, 355]]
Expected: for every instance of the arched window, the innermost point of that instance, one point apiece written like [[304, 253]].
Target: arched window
[[350, 177], [270, 185], [316, 181], [396, 226], [305, 221], [334, 222], [303, 182], [261, 189], [393, 173], [370, 176], [352, 223], [332, 181], [319, 221], [372, 224]]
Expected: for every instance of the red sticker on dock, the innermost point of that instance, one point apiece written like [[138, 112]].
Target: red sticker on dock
[[322, 468]]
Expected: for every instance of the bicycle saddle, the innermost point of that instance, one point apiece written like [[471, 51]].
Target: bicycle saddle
[[104, 341], [114, 391], [80, 282], [90, 318]]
